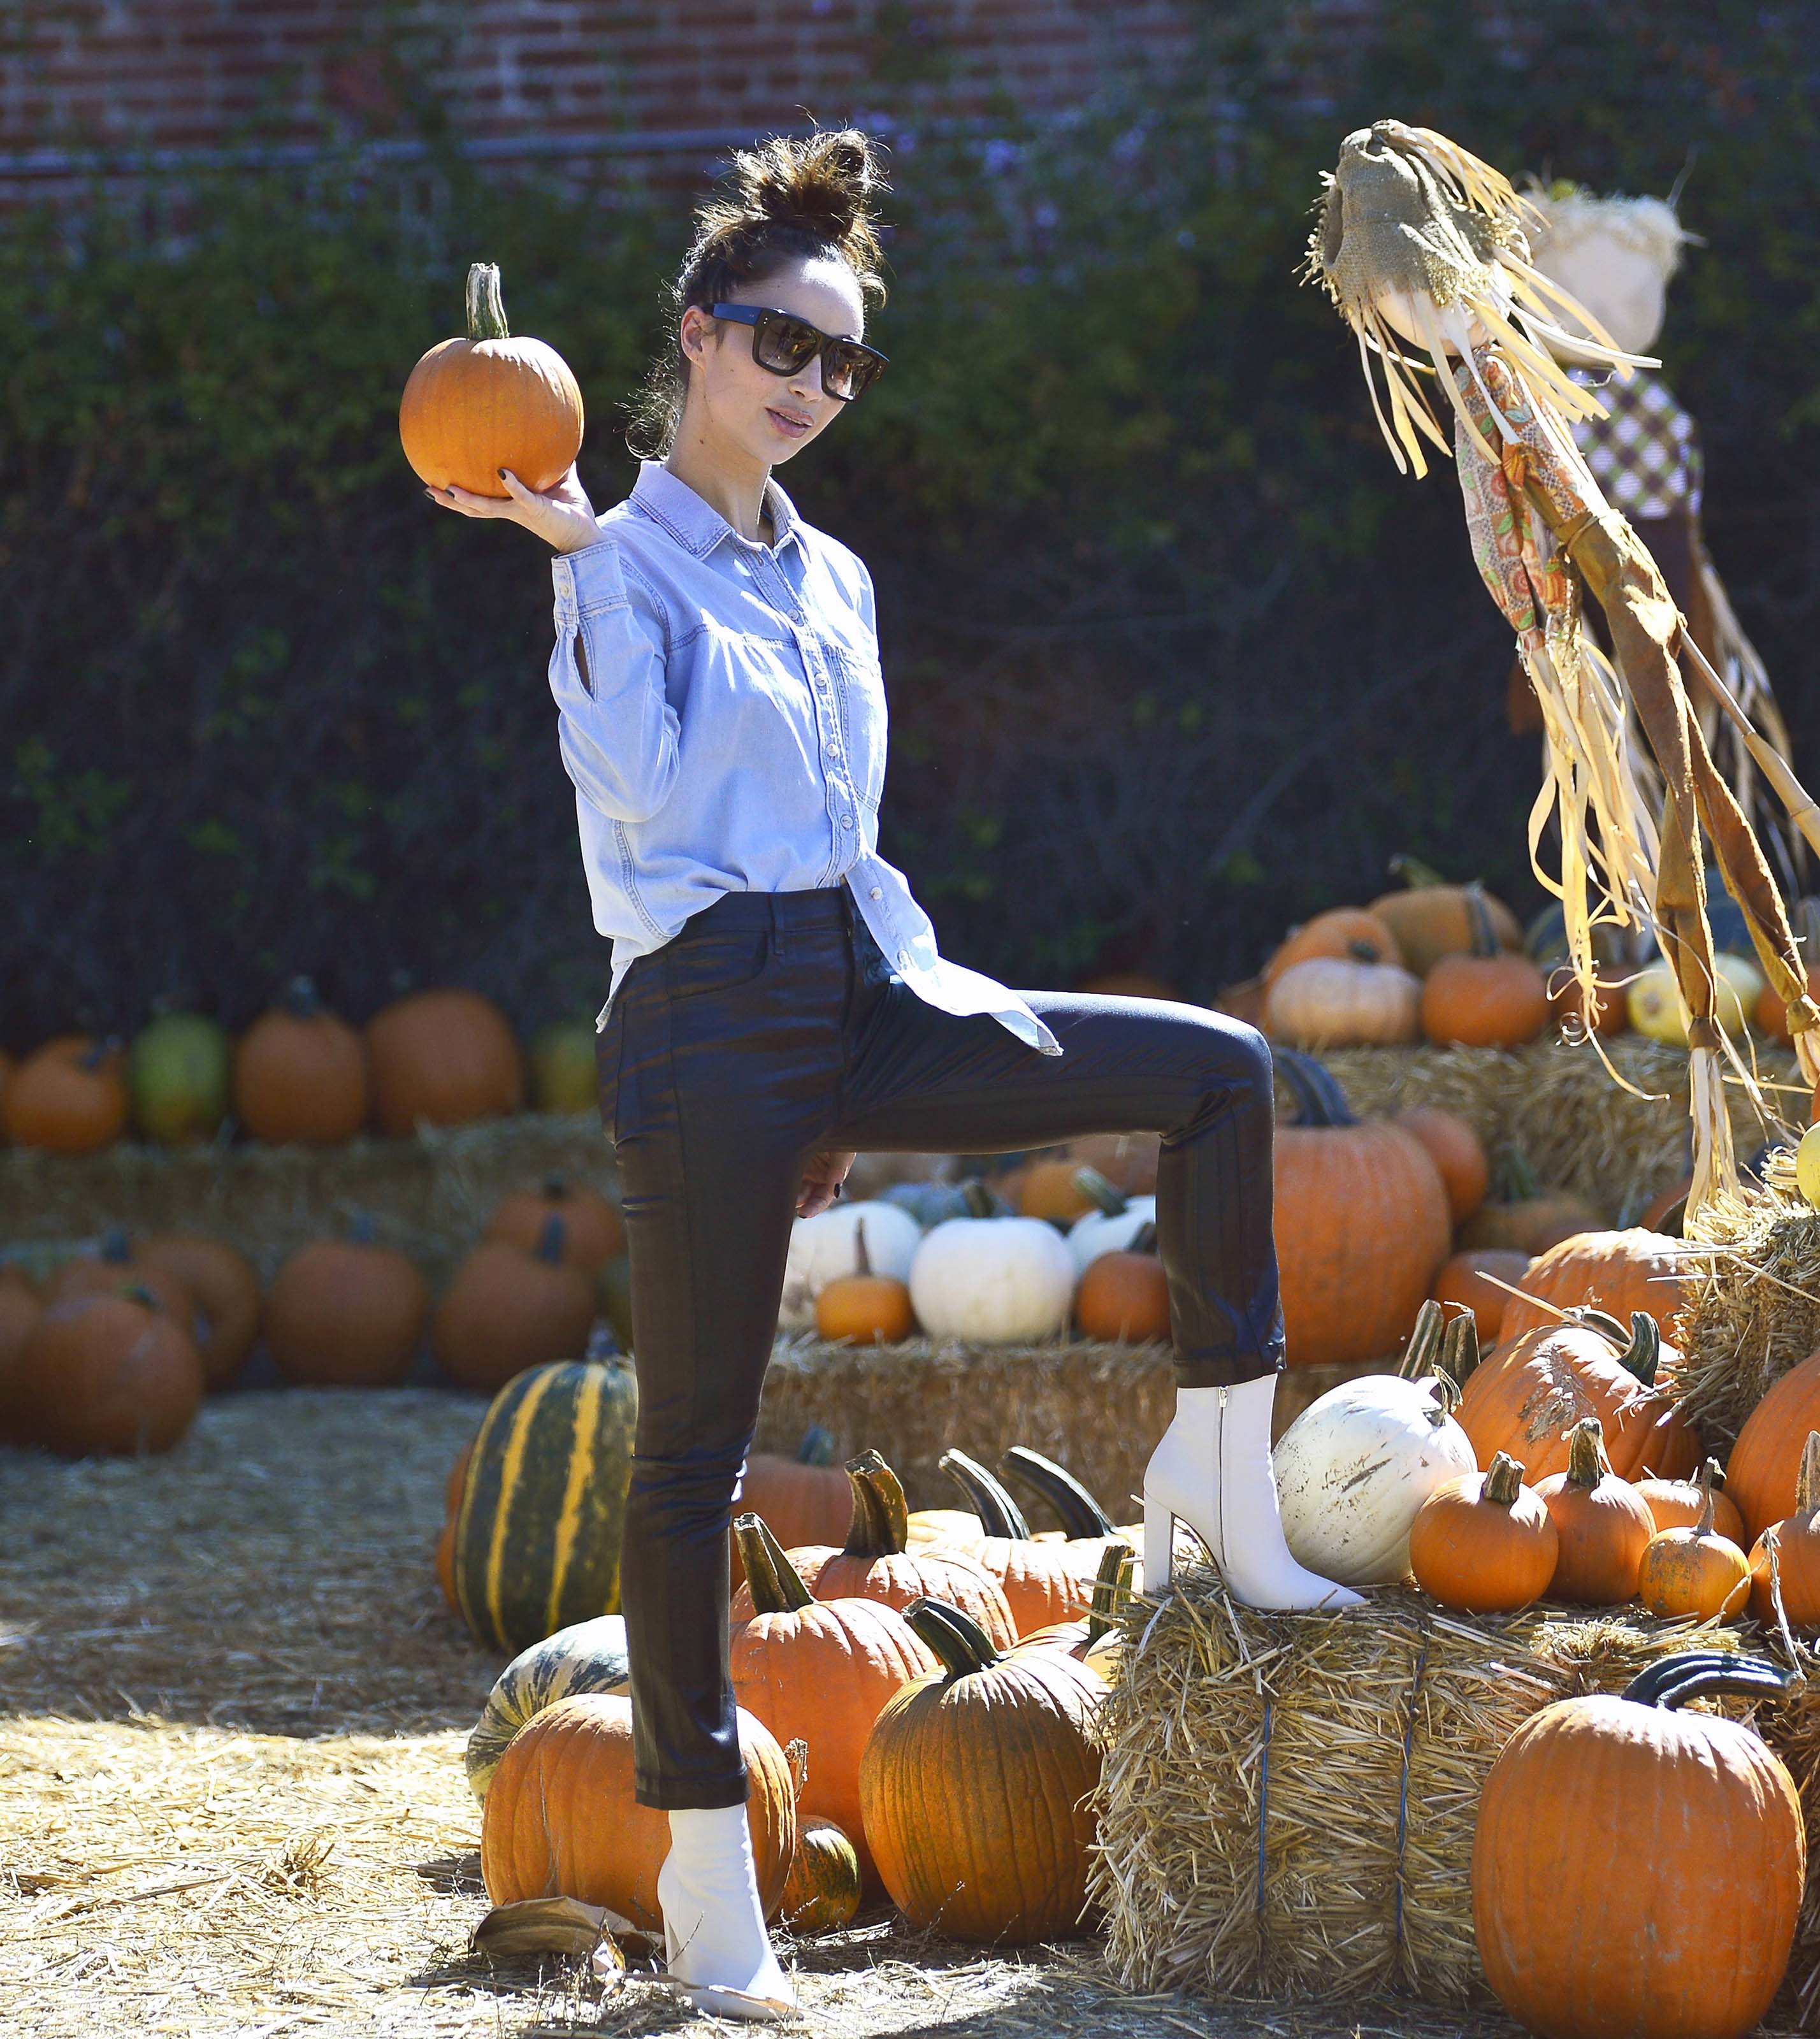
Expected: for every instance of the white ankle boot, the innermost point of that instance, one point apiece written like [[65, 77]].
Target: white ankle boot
[[1212, 1471], [717, 1951]]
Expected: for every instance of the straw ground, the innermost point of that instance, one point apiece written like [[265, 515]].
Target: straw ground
[[231, 1792]]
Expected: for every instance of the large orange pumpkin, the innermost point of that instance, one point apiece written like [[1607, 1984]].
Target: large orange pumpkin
[[561, 1819], [68, 1096], [1617, 1272], [1345, 933], [1795, 1574], [978, 1787], [1362, 1225], [1762, 1473], [300, 1073], [821, 1670], [877, 1563], [593, 1232], [109, 1373], [346, 1312], [1636, 1869], [1433, 919], [805, 1500], [1526, 1397], [475, 404], [506, 1310], [447, 1057], [225, 1286]]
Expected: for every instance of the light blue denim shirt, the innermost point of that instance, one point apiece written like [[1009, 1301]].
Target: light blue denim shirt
[[722, 713]]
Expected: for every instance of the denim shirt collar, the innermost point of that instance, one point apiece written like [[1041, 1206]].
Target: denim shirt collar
[[694, 522]]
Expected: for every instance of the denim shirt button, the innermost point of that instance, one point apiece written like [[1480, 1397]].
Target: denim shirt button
[[875, 894], [903, 957]]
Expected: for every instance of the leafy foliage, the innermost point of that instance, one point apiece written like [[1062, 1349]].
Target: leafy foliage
[[1175, 657]]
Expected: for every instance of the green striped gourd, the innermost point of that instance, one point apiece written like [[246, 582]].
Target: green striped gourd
[[588, 1657], [537, 1541]]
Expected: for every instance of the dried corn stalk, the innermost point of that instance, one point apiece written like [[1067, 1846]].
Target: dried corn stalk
[[1422, 249]]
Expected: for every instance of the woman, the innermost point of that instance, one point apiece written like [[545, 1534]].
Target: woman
[[777, 1001]]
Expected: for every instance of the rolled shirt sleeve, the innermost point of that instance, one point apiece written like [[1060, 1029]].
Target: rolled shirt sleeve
[[616, 729]]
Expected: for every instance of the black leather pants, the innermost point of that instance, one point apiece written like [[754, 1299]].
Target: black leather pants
[[772, 1028]]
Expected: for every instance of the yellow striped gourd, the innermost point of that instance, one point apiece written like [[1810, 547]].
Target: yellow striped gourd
[[537, 1541], [589, 1657]]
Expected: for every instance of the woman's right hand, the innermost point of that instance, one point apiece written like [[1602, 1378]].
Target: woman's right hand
[[563, 514]]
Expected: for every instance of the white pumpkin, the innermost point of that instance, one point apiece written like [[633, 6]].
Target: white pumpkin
[[1355, 1465], [995, 1281], [1097, 1231], [822, 1249]]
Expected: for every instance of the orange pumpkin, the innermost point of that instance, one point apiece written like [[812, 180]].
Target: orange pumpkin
[[113, 1373], [507, 1309], [1042, 1582], [1047, 1189], [475, 404], [1603, 1524], [1346, 933], [1667, 1209], [873, 1309], [20, 1306], [1127, 1160], [1432, 919], [1456, 1150], [1521, 1215], [225, 1287], [1362, 1225], [68, 1096], [821, 1670], [119, 1260], [1771, 1014], [1617, 1272], [300, 1073], [1526, 1397], [1610, 1007], [1636, 1869], [346, 1312], [1470, 1282], [805, 1500], [447, 1057], [561, 1819], [1693, 1572], [1762, 1473], [1488, 998], [445, 1565], [593, 1232], [1680, 1504], [1124, 1295], [1484, 1544], [1796, 1540], [877, 1563]]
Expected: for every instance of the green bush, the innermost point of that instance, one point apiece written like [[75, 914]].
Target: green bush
[[1174, 655]]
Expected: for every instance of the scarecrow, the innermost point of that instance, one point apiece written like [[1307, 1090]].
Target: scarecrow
[[1424, 250]]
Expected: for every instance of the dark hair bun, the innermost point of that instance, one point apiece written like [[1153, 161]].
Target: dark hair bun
[[823, 184]]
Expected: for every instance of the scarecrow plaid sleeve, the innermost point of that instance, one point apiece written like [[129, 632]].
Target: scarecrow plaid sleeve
[[1646, 455]]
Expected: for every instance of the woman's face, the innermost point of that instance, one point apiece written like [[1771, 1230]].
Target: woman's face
[[769, 417]]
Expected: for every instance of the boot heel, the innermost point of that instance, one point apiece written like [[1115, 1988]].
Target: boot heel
[[1159, 1543]]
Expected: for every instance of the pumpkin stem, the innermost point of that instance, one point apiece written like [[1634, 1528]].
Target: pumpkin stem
[[881, 1521], [1144, 1238], [1586, 1461], [1111, 1587], [137, 1291], [1642, 1353], [1485, 942], [486, 311], [115, 1246], [97, 1052], [1699, 1674], [555, 1188], [776, 1587], [1416, 875], [1460, 1349], [1807, 1479], [1704, 1526], [363, 1229], [550, 1240], [980, 1200], [863, 1259], [1514, 1179], [817, 1448], [987, 1499], [1423, 1350], [1076, 1511], [1504, 1482], [1101, 1189], [956, 1638], [1320, 1100], [301, 998]]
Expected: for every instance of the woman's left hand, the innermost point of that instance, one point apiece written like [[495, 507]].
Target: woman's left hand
[[821, 1180]]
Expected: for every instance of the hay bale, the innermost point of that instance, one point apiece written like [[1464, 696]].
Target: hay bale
[[431, 1195], [1288, 1802], [1754, 1269]]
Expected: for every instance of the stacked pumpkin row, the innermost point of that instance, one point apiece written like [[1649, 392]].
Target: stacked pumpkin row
[[114, 1352], [919, 1712], [300, 1073], [1450, 965]]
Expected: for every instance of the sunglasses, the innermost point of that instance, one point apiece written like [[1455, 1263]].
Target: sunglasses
[[785, 344]]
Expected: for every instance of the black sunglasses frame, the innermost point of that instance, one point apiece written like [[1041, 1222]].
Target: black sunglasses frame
[[867, 362]]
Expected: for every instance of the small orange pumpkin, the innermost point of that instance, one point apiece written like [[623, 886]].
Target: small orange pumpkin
[[1603, 1523], [822, 1892], [1047, 1189], [1693, 1572], [1346, 933], [1568, 1004], [225, 1286], [114, 1373], [1470, 1282], [593, 1232], [120, 1260], [1489, 998], [68, 1096], [346, 1312], [1680, 1504], [869, 1308], [507, 1309], [1124, 1295], [474, 405], [1484, 1543], [300, 1073]]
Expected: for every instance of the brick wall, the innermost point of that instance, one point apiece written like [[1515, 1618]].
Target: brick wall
[[642, 79]]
